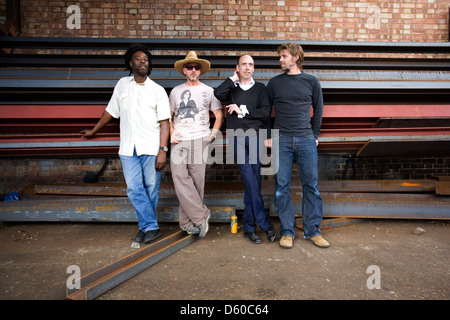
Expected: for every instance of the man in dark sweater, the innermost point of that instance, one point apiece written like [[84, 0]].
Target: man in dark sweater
[[293, 93], [249, 110]]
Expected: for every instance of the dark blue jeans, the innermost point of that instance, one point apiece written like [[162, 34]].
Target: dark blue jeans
[[247, 158], [304, 151]]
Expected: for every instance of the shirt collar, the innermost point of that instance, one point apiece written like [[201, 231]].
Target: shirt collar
[[132, 80], [251, 83]]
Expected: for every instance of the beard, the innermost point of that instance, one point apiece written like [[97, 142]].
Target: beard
[[287, 67], [192, 78], [141, 71]]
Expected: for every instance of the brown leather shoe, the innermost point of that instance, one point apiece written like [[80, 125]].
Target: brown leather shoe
[[286, 242], [320, 242]]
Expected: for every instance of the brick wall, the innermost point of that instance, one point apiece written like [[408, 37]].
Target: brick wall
[[367, 20]]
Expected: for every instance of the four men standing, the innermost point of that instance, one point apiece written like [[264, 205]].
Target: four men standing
[[144, 110]]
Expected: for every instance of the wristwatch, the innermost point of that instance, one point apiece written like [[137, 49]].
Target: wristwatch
[[165, 149]]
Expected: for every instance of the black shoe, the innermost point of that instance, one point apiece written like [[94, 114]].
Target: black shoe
[[151, 235], [253, 237], [140, 236], [271, 235]]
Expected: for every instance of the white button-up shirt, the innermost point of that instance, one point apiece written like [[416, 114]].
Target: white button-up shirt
[[140, 107], [247, 86]]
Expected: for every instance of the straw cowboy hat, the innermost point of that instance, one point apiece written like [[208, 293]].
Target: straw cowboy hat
[[191, 58]]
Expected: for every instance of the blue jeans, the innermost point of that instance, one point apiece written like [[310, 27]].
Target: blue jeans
[[143, 182], [249, 165], [304, 150]]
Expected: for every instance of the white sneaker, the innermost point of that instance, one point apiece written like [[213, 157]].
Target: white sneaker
[[191, 229], [204, 227]]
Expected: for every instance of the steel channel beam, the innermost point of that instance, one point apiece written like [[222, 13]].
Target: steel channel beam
[[262, 62], [349, 204], [333, 222], [100, 281], [327, 135], [100, 210], [222, 45], [167, 188], [347, 112], [81, 152], [386, 206], [443, 188]]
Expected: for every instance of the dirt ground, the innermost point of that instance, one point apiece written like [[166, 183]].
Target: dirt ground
[[34, 258]]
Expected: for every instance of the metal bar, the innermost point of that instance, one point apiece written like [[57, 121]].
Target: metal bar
[[223, 45], [344, 204], [228, 61], [94, 189], [386, 206], [372, 132], [386, 110], [443, 188], [57, 152], [404, 122], [105, 84], [333, 222], [347, 112], [326, 135], [100, 210], [31, 111], [236, 188], [412, 147], [110, 276]]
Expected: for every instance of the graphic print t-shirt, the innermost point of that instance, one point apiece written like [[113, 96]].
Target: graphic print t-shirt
[[191, 106]]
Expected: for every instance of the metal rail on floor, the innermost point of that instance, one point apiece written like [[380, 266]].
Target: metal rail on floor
[[100, 281]]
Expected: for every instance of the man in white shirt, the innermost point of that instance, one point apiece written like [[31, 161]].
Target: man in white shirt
[[190, 135], [144, 112]]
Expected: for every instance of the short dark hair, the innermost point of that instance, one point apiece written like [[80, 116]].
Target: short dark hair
[[132, 50]]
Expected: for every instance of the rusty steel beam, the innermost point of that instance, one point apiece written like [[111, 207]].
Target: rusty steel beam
[[385, 206], [98, 210], [329, 139], [78, 152], [395, 133], [100, 281], [386, 110], [67, 111], [91, 189], [348, 111], [336, 204], [220, 45], [443, 188], [213, 188], [333, 222], [410, 147]]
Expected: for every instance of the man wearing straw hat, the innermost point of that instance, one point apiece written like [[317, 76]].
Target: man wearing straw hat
[[190, 135]]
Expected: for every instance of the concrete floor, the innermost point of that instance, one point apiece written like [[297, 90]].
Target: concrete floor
[[34, 258]]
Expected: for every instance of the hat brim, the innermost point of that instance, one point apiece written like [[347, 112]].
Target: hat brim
[[205, 64]]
